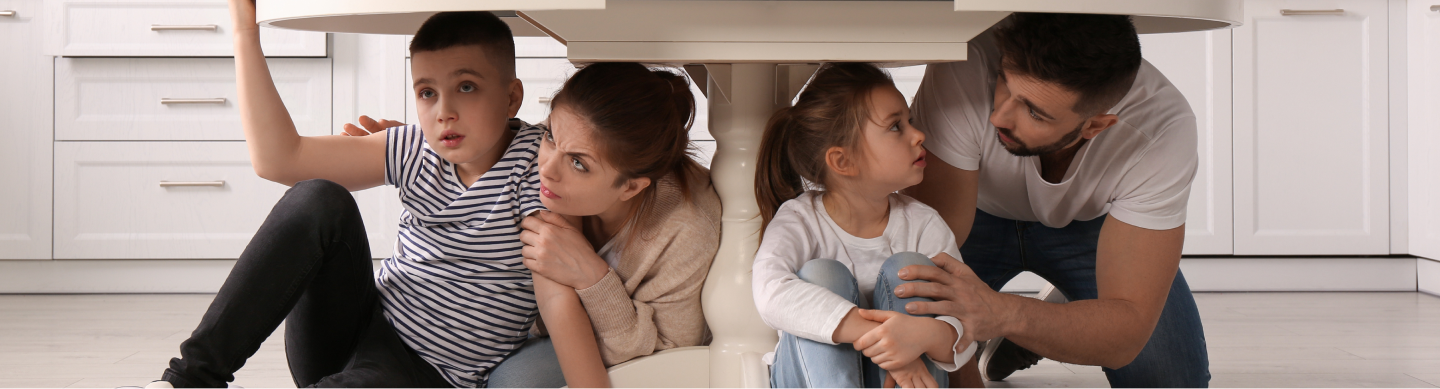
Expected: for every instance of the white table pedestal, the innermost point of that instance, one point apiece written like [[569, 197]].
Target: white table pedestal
[[738, 114]]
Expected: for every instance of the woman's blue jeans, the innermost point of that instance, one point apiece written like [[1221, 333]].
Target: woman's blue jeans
[[804, 363], [998, 249]]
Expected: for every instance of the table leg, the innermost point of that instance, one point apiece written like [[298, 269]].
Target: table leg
[[738, 113]]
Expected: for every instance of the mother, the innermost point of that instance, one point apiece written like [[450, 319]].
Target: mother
[[616, 173]]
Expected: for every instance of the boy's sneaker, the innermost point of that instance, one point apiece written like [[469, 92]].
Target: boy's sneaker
[[160, 384], [1001, 357]]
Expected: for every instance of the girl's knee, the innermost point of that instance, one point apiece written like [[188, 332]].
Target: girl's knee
[[830, 274], [901, 260]]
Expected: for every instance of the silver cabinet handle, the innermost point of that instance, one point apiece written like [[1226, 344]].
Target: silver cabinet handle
[[167, 184], [198, 27], [7, 13], [1303, 12], [545, 100], [168, 101]]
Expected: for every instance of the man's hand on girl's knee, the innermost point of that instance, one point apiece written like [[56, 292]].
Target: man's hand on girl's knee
[[958, 293]]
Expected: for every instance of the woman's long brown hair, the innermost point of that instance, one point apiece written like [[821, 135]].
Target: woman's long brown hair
[[830, 112], [642, 120]]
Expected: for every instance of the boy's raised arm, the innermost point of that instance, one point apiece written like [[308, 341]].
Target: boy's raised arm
[[277, 151]]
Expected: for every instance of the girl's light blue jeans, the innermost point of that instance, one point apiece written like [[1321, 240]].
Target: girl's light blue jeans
[[804, 363]]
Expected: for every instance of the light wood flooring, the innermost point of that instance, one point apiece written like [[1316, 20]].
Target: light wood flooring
[[1255, 340]]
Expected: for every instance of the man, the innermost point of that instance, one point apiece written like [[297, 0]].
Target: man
[[1063, 153]]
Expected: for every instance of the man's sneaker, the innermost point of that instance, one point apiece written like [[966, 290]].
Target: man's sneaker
[[166, 385], [1001, 357]]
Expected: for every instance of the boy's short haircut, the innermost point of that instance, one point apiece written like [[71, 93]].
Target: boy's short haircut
[[449, 29], [1096, 56]]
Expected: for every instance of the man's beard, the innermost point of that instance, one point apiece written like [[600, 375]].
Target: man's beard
[[1022, 150]]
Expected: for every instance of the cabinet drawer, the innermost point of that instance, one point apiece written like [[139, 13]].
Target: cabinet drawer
[[160, 28], [131, 200], [177, 98]]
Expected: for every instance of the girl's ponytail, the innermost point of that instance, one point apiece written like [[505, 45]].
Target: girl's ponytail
[[776, 180]]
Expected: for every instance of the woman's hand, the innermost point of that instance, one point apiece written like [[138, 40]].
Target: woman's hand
[[901, 339], [911, 375], [558, 251], [368, 126]]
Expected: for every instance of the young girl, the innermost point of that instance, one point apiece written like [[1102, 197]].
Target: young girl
[[828, 255]]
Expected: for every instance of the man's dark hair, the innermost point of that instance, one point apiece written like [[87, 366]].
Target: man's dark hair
[[449, 29], [1095, 56]]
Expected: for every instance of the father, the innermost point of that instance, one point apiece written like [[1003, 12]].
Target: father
[[1065, 154]]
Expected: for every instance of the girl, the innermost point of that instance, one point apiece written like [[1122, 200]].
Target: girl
[[828, 254]]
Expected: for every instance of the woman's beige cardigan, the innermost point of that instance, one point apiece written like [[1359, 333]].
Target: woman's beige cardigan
[[652, 302]]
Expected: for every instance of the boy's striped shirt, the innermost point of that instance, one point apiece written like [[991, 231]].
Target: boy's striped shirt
[[456, 288]]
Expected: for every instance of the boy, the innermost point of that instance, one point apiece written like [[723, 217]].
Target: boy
[[455, 298]]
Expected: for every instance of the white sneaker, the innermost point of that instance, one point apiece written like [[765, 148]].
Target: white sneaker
[[1001, 358]]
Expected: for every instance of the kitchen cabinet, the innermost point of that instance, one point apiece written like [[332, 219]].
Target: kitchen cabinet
[[160, 28], [1423, 49], [25, 152], [157, 200], [1198, 63], [1311, 128]]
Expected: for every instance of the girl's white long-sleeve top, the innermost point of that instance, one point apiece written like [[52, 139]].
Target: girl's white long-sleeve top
[[802, 231]]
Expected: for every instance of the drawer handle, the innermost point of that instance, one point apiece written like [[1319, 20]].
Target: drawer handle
[[1432, 8], [198, 27], [167, 184], [7, 13], [545, 100], [168, 101], [1303, 12]]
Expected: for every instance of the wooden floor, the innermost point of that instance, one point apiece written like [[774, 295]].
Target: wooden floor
[[1255, 340]]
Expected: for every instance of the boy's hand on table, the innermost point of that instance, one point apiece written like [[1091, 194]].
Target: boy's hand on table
[[901, 339], [911, 375], [369, 126]]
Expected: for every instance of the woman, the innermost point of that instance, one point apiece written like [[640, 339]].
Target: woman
[[616, 174]]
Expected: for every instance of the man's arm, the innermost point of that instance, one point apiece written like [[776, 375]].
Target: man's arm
[[952, 192], [1134, 270], [277, 151]]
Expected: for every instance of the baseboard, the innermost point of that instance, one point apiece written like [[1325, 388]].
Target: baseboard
[[115, 276], [1205, 274], [1427, 276], [1287, 274], [1270, 274]]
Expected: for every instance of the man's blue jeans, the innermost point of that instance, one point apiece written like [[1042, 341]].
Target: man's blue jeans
[[804, 363], [998, 249]]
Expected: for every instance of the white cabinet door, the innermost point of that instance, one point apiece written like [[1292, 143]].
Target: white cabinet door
[[160, 28], [178, 98], [368, 73], [1198, 63], [1423, 17], [25, 153], [157, 200], [1311, 135]]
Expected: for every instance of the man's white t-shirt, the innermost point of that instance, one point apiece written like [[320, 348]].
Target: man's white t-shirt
[[802, 231], [1138, 170]]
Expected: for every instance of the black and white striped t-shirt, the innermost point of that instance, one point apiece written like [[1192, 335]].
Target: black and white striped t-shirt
[[456, 288]]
